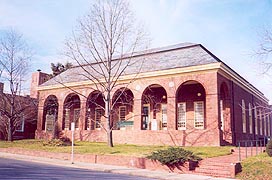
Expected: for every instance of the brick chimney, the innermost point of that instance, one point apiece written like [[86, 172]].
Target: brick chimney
[[1, 87], [38, 78]]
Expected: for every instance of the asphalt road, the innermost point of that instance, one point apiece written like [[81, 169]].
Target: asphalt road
[[16, 169]]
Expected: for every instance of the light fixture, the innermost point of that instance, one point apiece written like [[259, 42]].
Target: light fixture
[[198, 94], [163, 97]]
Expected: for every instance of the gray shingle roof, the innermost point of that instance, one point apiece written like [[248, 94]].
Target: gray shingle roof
[[170, 57]]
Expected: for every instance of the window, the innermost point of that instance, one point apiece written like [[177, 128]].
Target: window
[[122, 113], [145, 117], [199, 114], [164, 115], [244, 116], [67, 119], [98, 116], [20, 125], [261, 122], [182, 116], [250, 118], [50, 122], [88, 119], [256, 120]]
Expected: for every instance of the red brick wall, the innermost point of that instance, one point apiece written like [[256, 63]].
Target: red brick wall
[[237, 94], [209, 136]]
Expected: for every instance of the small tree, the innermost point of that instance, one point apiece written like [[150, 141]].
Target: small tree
[[59, 68], [14, 58], [105, 36]]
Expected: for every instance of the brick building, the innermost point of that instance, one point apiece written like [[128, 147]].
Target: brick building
[[26, 115], [184, 95]]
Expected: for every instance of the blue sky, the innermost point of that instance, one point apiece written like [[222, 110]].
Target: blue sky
[[228, 28]]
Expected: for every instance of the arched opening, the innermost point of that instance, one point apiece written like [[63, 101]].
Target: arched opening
[[224, 112], [154, 108], [50, 114], [122, 114], [190, 103], [71, 111], [95, 111]]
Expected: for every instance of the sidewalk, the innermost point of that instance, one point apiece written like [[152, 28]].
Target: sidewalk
[[110, 168]]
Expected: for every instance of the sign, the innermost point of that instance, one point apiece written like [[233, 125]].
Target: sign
[[154, 124], [73, 131], [72, 126]]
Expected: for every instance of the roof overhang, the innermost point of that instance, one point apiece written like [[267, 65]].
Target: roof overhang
[[220, 67]]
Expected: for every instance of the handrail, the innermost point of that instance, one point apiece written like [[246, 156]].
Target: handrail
[[261, 143]]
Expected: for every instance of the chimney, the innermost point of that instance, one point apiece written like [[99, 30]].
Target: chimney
[[37, 79], [1, 87]]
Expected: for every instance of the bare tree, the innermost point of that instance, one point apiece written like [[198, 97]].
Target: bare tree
[[14, 58], [103, 46], [264, 50]]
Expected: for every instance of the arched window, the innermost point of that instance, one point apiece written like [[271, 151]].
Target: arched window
[[250, 118], [244, 116], [190, 98]]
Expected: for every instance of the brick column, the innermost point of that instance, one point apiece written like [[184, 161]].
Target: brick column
[[137, 110], [212, 117], [82, 119], [171, 113], [60, 115], [40, 116]]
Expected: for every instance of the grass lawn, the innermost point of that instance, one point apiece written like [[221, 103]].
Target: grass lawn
[[82, 147], [257, 168]]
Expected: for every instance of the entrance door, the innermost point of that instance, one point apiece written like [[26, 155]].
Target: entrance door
[[145, 117]]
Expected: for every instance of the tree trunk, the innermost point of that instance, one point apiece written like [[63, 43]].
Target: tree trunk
[[109, 136], [10, 136], [108, 119]]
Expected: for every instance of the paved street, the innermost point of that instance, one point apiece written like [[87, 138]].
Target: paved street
[[17, 169]]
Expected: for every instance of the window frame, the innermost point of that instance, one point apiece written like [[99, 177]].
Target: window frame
[[181, 124], [250, 118], [202, 121], [96, 113], [244, 129]]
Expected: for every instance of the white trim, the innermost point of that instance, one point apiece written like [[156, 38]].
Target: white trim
[[182, 121], [196, 121], [250, 118], [232, 75], [244, 123], [95, 117], [164, 115], [119, 114], [174, 71], [74, 120]]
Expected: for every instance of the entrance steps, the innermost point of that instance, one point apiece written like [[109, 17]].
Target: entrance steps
[[226, 166]]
